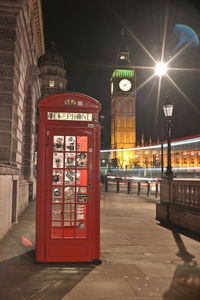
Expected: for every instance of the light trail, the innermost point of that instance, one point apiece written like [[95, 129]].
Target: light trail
[[176, 143]]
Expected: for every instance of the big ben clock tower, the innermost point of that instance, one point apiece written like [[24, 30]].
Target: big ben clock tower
[[123, 108]]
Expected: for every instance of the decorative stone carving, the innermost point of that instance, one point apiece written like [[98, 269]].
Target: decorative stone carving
[[5, 98], [7, 35], [6, 59], [6, 86], [6, 112], [5, 154], [5, 139], [7, 46], [14, 144], [5, 125], [7, 21]]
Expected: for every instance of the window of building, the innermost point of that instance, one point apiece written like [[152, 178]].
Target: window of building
[[61, 84], [51, 83]]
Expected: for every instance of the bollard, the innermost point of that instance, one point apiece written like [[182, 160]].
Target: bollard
[[156, 193], [129, 187], [106, 184], [117, 185], [139, 188], [148, 189]]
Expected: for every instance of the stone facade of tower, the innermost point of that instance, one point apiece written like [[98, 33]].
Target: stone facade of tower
[[52, 72], [123, 108], [21, 45]]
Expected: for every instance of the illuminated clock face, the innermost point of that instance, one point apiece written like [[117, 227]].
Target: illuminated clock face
[[125, 85]]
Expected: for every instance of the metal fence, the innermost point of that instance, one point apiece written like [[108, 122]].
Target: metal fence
[[130, 186]]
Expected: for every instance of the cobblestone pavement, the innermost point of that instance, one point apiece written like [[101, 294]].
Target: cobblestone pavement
[[140, 259]]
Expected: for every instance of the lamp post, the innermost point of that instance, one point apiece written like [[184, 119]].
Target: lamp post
[[168, 112]]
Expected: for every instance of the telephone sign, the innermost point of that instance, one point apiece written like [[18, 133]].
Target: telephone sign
[[68, 193], [69, 116]]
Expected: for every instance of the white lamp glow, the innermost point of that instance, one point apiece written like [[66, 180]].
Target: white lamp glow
[[161, 69]]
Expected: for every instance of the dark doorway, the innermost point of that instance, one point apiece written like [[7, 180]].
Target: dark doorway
[[14, 202]]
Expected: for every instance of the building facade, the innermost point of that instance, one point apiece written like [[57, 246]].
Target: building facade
[[185, 158], [21, 45], [52, 72], [123, 107]]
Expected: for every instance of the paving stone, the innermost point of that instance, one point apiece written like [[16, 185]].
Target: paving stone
[[141, 260], [150, 287], [101, 286]]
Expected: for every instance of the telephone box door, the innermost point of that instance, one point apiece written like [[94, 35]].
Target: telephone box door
[[69, 186]]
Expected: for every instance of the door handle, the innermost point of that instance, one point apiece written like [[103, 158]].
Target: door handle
[[90, 186]]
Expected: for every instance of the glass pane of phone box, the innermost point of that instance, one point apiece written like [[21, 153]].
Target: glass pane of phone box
[[69, 230]]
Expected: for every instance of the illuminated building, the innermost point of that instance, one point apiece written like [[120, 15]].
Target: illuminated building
[[123, 110], [185, 155]]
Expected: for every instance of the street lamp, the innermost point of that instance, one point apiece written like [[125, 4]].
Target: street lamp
[[168, 112], [161, 69]]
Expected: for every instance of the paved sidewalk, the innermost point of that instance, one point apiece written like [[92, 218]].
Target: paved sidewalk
[[140, 259]]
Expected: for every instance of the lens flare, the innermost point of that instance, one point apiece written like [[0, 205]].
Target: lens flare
[[186, 34], [26, 242], [161, 69]]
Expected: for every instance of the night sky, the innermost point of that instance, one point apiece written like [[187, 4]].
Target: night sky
[[87, 34]]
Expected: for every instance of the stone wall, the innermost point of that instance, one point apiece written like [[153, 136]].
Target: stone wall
[[5, 203], [180, 203], [19, 93]]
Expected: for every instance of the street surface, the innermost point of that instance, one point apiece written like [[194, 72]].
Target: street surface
[[141, 259]]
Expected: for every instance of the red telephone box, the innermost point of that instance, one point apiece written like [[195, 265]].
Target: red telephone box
[[68, 191]]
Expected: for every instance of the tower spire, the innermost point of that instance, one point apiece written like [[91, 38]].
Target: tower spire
[[122, 32], [123, 53]]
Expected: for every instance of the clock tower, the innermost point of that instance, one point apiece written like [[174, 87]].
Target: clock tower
[[123, 108]]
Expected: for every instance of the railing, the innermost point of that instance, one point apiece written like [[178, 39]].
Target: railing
[[132, 186], [186, 193], [180, 172]]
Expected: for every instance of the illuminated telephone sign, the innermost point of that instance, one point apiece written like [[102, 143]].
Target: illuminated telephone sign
[[68, 192], [69, 116]]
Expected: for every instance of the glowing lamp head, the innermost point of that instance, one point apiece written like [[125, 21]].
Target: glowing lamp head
[[168, 107], [161, 69]]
